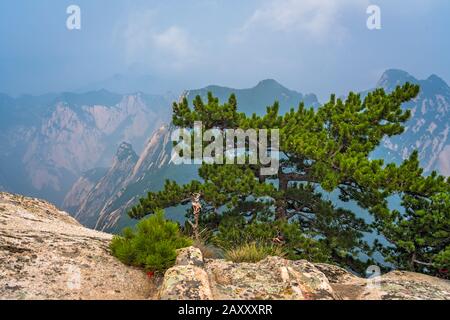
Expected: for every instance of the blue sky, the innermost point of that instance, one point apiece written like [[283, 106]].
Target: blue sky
[[318, 46]]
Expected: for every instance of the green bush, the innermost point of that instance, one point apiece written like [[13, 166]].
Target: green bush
[[253, 252], [152, 245]]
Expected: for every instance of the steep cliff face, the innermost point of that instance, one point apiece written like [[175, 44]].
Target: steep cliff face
[[122, 185], [46, 254], [47, 142], [81, 188], [156, 154], [106, 188]]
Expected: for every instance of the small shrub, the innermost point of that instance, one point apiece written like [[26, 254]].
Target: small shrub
[[253, 252], [152, 245]]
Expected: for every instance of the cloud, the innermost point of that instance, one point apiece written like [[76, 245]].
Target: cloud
[[317, 19], [146, 44]]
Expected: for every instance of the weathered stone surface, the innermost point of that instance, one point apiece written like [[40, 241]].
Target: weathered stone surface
[[190, 256], [185, 282], [46, 254], [277, 278], [396, 285], [272, 278], [187, 278]]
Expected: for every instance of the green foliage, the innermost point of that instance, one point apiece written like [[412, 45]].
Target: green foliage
[[326, 149], [420, 235], [152, 245], [234, 232], [442, 259], [253, 252]]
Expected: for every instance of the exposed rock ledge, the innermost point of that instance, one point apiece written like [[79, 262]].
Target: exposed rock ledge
[[275, 278], [46, 254]]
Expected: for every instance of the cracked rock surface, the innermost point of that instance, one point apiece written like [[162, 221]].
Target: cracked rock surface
[[46, 254], [194, 278]]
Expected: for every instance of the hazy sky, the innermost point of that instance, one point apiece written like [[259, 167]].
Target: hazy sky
[[319, 46]]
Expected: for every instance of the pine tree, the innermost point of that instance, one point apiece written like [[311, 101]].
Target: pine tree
[[322, 151], [419, 234]]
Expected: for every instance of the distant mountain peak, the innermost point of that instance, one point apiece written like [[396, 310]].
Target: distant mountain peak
[[391, 78], [437, 81], [269, 83], [394, 77], [99, 97], [125, 151]]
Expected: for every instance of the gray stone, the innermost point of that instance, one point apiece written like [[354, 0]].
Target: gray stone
[[278, 278]]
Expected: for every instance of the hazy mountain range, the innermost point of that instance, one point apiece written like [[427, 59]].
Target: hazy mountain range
[[98, 152], [124, 83], [47, 142]]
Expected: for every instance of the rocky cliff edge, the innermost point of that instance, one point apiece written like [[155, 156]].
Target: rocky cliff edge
[[46, 254]]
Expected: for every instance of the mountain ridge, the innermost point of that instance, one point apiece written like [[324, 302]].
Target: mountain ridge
[[263, 94], [48, 141]]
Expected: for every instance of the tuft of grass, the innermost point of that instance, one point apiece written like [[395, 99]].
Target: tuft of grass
[[253, 252]]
